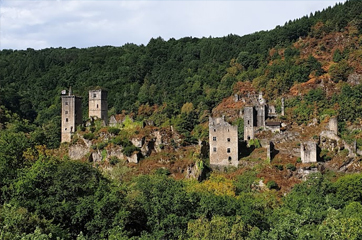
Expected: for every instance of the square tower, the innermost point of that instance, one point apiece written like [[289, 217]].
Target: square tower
[[98, 106], [223, 139], [249, 122], [71, 115]]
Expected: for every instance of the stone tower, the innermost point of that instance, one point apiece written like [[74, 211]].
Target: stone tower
[[71, 115], [261, 115], [98, 106], [333, 125], [308, 152], [223, 139], [249, 122]]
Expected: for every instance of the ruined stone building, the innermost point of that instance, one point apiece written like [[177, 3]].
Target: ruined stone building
[[223, 139], [308, 152], [256, 113], [71, 114], [98, 106]]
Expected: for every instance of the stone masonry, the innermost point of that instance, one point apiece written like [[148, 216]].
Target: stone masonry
[[223, 139], [71, 115], [308, 152], [98, 106]]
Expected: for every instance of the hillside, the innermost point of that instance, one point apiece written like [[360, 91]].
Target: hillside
[[148, 176]]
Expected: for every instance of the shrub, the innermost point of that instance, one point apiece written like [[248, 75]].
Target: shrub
[[299, 160], [162, 171], [102, 145], [272, 185], [255, 143], [89, 136], [279, 167], [291, 167], [113, 160], [129, 150], [114, 130]]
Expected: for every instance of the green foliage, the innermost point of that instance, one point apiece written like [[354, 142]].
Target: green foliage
[[240, 123], [291, 167], [73, 194], [348, 188], [340, 71], [244, 182], [129, 149], [279, 167], [254, 142], [163, 219], [337, 56], [113, 160], [272, 185], [102, 145], [114, 130], [89, 136]]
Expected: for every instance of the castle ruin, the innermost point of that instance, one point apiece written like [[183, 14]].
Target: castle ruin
[[308, 152], [71, 114], [98, 106], [255, 115], [223, 139]]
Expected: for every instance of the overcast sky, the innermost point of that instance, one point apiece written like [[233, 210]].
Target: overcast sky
[[85, 23]]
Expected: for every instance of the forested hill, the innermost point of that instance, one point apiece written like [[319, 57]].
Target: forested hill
[[315, 63], [189, 70]]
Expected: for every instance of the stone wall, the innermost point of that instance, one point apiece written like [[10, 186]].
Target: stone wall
[[223, 139], [249, 121], [71, 116], [308, 152], [98, 106]]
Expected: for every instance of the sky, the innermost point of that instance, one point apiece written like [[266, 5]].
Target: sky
[[85, 23]]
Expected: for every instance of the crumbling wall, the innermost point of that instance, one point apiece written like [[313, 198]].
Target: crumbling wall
[[308, 152]]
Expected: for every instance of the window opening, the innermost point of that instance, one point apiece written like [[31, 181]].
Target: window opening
[[213, 138], [228, 139], [214, 149], [228, 150]]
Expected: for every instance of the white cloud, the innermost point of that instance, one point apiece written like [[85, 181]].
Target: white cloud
[[83, 23]]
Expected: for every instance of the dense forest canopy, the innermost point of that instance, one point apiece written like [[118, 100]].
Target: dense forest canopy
[[44, 195]]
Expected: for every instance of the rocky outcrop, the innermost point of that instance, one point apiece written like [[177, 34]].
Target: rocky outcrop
[[78, 151], [133, 158], [138, 142]]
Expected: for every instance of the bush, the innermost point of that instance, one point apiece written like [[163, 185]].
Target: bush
[[113, 160], [89, 136], [299, 160], [279, 167], [272, 185], [102, 145], [129, 150], [291, 167], [162, 171], [255, 143], [113, 130]]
